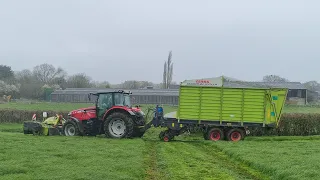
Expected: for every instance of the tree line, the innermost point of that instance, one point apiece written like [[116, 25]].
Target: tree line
[[33, 84]]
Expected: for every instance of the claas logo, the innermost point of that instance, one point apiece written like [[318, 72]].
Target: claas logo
[[203, 81]]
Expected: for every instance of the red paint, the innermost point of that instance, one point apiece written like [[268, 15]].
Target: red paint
[[203, 81], [215, 136], [235, 136], [123, 108], [90, 112], [166, 139], [84, 113]]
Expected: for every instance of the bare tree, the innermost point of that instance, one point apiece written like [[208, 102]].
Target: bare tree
[[103, 84], [45, 73], [164, 81], [167, 72], [6, 74], [312, 85], [80, 80], [274, 78]]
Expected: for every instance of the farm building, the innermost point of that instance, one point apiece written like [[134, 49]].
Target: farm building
[[139, 96], [297, 93]]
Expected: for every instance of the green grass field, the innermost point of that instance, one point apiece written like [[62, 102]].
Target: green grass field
[[188, 157]]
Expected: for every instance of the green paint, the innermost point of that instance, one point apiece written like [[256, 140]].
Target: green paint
[[231, 104]]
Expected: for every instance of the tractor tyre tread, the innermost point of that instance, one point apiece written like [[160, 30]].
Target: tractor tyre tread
[[77, 133], [128, 121]]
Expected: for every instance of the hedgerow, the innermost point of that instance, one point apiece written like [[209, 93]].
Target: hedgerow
[[292, 124], [19, 116]]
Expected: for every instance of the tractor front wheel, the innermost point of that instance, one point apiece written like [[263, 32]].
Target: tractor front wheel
[[118, 125], [70, 129]]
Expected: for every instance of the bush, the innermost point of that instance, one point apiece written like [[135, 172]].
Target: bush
[[19, 116], [292, 124]]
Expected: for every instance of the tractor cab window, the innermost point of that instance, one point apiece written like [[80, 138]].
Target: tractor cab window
[[105, 101], [122, 99], [127, 101]]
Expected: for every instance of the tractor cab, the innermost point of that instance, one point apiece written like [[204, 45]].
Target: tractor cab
[[106, 101]]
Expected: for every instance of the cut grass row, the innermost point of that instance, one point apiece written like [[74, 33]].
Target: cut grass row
[[188, 157]]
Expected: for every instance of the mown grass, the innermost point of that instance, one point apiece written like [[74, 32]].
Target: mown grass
[[278, 157], [36, 157], [188, 157]]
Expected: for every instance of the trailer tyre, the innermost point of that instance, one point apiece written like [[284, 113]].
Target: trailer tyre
[[166, 136], [235, 135], [215, 134]]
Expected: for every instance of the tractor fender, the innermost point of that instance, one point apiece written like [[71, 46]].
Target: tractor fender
[[118, 109], [78, 123]]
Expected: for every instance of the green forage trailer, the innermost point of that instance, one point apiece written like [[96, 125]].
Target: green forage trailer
[[224, 109]]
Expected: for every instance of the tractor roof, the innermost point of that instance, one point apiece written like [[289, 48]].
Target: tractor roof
[[114, 91]]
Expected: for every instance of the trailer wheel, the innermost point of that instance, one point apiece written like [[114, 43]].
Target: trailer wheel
[[166, 138], [161, 135], [235, 135], [215, 134]]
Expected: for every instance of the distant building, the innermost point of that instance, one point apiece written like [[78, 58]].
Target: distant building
[[297, 94], [139, 96]]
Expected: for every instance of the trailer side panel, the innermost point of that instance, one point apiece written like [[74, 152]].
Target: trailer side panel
[[242, 105]]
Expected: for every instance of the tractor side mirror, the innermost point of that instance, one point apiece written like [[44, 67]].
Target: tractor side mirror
[[89, 97]]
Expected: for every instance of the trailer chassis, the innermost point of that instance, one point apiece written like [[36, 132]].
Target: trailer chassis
[[212, 130]]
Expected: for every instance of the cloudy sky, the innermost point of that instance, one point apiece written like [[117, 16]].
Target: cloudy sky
[[125, 39]]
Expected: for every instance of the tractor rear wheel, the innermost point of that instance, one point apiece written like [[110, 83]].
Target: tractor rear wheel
[[70, 129], [118, 125]]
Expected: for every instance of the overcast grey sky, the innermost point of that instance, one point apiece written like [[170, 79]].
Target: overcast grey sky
[[120, 40]]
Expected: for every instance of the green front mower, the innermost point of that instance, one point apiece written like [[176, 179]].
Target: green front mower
[[49, 127]]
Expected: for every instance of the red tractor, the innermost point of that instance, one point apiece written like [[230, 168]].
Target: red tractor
[[112, 115]]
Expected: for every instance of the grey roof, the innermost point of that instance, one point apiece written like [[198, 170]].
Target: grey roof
[[81, 91], [175, 92], [289, 85]]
